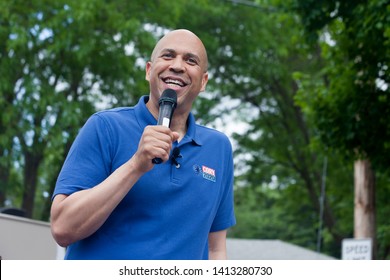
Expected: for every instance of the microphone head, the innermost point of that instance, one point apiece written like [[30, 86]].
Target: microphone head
[[168, 95]]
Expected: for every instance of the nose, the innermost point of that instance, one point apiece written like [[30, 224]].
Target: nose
[[177, 64]]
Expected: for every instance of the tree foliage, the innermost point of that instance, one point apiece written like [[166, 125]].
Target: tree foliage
[[61, 61], [352, 109]]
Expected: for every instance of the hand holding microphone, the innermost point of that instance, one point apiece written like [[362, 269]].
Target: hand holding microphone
[[167, 103]]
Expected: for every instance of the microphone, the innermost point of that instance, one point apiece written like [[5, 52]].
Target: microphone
[[167, 103]]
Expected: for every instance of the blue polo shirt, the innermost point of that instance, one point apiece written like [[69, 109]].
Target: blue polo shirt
[[170, 211]]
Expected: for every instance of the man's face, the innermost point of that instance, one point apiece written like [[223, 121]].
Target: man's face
[[178, 62]]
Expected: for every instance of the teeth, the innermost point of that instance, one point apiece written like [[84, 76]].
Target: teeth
[[176, 82]]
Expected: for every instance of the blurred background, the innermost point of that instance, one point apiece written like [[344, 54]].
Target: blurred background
[[301, 87]]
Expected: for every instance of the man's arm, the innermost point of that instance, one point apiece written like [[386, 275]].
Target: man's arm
[[217, 245], [80, 214]]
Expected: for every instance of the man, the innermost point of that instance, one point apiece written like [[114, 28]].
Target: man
[[112, 202]]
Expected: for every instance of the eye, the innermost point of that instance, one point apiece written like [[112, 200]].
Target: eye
[[167, 55], [192, 61]]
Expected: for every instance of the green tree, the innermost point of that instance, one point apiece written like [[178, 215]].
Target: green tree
[[351, 107], [71, 58], [255, 55], [58, 61]]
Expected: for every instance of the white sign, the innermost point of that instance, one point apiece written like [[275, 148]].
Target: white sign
[[357, 249]]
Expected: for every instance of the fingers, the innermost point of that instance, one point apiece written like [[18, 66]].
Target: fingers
[[156, 142]]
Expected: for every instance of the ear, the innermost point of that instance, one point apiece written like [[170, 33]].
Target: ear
[[147, 70], [205, 79]]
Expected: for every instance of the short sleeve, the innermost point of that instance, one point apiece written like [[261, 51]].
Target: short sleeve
[[225, 217], [88, 162]]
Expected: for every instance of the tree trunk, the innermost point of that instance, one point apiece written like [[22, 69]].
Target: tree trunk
[[364, 218], [4, 182], [32, 163]]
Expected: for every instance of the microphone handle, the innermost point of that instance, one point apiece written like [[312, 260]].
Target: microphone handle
[[157, 160], [164, 118]]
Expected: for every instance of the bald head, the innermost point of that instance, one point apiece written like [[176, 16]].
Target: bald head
[[176, 38]]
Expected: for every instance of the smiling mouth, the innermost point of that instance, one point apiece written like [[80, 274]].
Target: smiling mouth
[[174, 82]]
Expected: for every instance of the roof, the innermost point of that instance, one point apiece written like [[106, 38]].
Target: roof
[[254, 249]]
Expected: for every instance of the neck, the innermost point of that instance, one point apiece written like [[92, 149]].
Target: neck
[[179, 124]]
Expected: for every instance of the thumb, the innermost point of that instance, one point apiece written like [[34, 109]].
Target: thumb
[[175, 136]]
